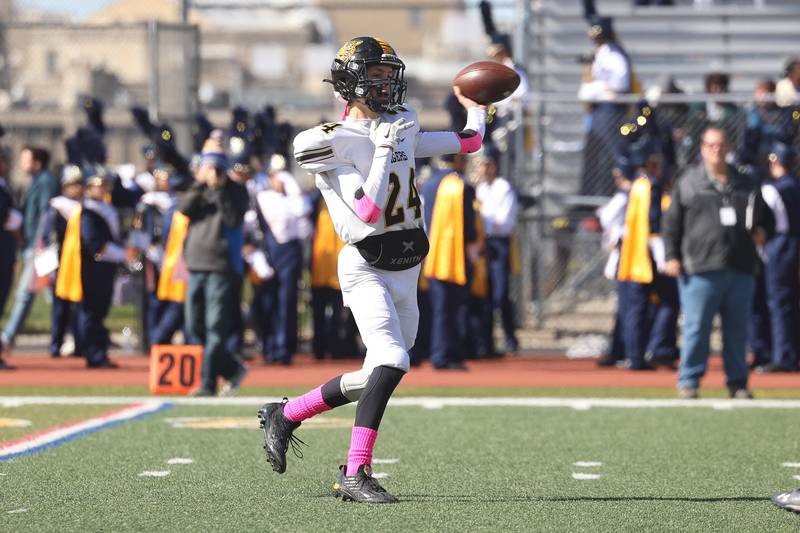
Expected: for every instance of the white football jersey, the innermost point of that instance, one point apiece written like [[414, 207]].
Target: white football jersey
[[338, 150]]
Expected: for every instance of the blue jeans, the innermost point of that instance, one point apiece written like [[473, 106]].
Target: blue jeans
[[23, 300], [730, 294]]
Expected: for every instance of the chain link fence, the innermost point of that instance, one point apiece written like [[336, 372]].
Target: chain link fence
[[567, 175]]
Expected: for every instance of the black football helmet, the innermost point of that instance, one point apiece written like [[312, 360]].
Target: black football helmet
[[349, 74]]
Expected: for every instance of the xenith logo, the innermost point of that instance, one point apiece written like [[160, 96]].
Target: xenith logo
[[414, 260]]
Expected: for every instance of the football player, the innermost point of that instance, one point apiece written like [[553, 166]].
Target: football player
[[364, 166]]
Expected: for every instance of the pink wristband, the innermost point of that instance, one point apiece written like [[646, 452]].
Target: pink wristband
[[470, 144]]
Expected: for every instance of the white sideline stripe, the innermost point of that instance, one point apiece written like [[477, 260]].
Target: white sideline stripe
[[48, 437], [791, 465], [584, 477], [420, 401], [587, 464]]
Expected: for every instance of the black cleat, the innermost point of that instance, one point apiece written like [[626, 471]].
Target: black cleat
[[278, 435], [362, 487], [788, 500]]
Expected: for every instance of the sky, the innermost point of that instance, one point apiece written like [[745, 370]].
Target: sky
[[81, 8], [77, 9]]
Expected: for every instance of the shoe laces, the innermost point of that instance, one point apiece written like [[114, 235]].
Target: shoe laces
[[294, 441], [372, 484]]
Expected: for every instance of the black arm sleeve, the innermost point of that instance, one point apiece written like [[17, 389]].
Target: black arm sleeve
[[470, 233]]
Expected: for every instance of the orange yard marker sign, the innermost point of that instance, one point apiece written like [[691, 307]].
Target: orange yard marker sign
[[175, 369]]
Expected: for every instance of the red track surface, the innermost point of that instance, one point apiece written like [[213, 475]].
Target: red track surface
[[511, 372]]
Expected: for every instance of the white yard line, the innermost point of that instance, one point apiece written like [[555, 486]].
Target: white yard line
[[154, 473], [180, 461], [421, 401], [587, 464], [584, 477], [791, 465]]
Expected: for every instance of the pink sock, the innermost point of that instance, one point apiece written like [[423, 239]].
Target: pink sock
[[361, 443], [305, 406]]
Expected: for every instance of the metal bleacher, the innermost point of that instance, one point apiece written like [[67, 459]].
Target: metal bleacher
[[750, 40]]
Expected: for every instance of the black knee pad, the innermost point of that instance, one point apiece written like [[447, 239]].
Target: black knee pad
[[380, 386]]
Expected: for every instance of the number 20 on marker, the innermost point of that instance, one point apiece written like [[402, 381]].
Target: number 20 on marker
[[175, 369]]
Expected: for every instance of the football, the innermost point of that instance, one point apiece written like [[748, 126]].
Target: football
[[487, 82]]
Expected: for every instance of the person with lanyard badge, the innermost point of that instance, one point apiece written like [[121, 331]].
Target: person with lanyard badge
[[709, 248]]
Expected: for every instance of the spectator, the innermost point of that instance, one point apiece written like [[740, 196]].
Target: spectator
[[612, 220], [765, 123], [154, 214], [498, 209], [708, 245], [215, 206], [89, 257], [500, 132], [333, 332], [786, 90], [648, 328], [610, 75], [33, 162], [241, 172], [712, 112], [54, 229], [778, 224], [10, 222], [283, 210], [450, 218]]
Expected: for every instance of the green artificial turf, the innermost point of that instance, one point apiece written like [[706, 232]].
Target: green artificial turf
[[460, 469]]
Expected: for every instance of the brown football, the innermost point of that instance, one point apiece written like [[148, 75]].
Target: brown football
[[487, 82]]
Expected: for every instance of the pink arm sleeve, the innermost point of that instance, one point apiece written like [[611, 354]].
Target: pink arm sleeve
[[365, 208]]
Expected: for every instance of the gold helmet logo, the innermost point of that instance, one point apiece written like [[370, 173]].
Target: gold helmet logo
[[347, 50], [387, 49]]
